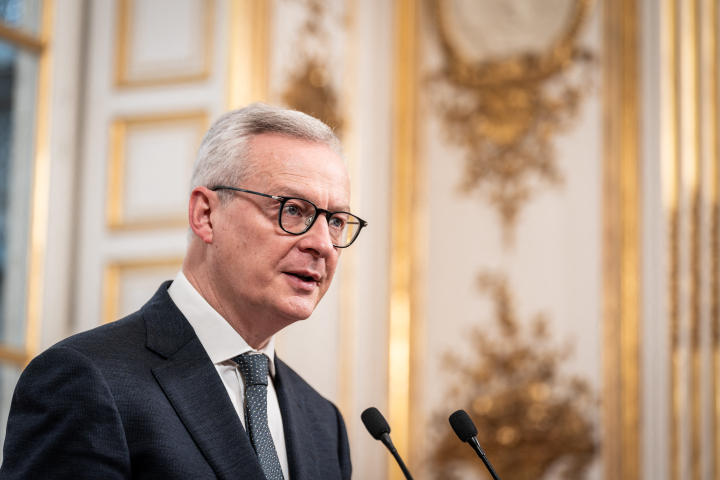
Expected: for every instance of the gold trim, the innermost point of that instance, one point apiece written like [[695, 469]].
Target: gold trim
[[113, 273], [714, 172], [672, 155], [21, 39], [506, 105], [116, 168], [14, 355], [40, 190], [513, 69], [694, 89], [403, 190], [249, 52], [123, 53], [714, 233], [622, 436]]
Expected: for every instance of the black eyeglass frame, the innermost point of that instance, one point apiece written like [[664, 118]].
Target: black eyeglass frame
[[318, 211]]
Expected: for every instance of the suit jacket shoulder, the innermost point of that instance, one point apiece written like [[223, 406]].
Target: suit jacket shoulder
[[140, 398]]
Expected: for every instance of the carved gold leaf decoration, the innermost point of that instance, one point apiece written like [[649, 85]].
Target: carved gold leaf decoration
[[309, 87], [310, 91], [530, 418], [505, 112]]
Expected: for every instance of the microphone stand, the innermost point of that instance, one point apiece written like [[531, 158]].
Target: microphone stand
[[473, 441], [385, 439]]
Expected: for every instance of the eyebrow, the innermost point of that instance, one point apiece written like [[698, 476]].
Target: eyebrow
[[295, 194]]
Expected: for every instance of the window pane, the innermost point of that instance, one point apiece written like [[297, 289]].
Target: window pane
[[18, 73], [22, 14]]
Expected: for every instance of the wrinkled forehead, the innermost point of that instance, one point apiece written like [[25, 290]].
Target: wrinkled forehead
[[276, 160]]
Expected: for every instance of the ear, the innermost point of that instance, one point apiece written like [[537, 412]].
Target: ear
[[203, 202]]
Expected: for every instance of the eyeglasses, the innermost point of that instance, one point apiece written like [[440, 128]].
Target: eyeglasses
[[297, 215]]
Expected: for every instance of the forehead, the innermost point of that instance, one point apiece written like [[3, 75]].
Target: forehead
[[296, 167]]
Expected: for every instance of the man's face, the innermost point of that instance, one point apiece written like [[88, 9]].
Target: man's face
[[256, 264]]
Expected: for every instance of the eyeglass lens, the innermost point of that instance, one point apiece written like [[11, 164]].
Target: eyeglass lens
[[297, 217]]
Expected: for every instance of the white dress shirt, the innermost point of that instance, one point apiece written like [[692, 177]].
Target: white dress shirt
[[222, 343]]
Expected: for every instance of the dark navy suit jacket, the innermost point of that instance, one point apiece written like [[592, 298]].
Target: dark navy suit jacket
[[140, 398]]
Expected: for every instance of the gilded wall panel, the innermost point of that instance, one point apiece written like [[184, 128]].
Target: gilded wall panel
[[690, 206], [521, 113]]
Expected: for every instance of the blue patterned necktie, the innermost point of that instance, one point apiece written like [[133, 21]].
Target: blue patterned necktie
[[254, 369]]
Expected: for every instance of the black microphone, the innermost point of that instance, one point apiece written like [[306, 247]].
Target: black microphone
[[380, 430], [465, 429]]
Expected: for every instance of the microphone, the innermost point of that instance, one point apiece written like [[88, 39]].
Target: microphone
[[380, 430], [465, 429]]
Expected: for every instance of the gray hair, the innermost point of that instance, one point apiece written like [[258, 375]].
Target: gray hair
[[225, 149]]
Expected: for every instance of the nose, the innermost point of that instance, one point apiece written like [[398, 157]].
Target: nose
[[316, 241]]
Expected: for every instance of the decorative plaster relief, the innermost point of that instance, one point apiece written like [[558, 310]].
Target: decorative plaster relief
[[310, 88], [530, 418], [504, 91]]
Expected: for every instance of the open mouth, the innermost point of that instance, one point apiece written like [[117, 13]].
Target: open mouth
[[302, 277]]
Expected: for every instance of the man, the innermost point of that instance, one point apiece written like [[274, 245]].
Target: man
[[189, 387]]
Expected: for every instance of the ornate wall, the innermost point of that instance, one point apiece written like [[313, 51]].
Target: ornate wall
[[541, 184]]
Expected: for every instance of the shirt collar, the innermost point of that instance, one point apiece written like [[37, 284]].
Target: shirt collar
[[220, 340]]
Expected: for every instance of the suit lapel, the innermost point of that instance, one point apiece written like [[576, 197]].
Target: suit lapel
[[196, 392], [302, 459]]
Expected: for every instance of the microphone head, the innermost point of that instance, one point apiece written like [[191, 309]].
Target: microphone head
[[463, 425], [375, 422]]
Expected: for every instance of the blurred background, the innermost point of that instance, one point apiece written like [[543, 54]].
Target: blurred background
[[541, 180]]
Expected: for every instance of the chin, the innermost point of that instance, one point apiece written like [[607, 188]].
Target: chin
[[296, 310]]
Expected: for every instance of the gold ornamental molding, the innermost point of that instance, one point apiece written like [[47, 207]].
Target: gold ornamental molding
[[622, 239], [691, 187], [531, 417], [505, 112], [310, 87], [671, 173], [406, 266], [249, 26], [714, 124]]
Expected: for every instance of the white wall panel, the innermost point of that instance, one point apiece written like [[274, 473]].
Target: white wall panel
[[164, 41], [126, 284], [162, 127], [150, 168]]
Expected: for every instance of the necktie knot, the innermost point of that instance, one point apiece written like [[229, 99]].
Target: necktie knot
[[254, 368]]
